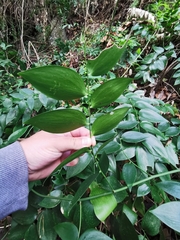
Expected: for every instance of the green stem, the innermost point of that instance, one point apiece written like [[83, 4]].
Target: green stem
[[114, 191], [134, 184]]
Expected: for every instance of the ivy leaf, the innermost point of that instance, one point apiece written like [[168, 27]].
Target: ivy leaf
[[103, 206], [105, 61], [55, 81], [67, 230], [108, 121], [59, 121], [92, 234], [169, 213], [109, 92], [129, 173], [171, 187]]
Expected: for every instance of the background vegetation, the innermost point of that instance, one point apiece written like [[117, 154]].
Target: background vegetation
[[134, 169]]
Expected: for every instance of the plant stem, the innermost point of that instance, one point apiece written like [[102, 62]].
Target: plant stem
[[134, 184]]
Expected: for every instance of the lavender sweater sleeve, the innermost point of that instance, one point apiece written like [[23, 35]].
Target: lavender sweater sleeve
[[13, 180]]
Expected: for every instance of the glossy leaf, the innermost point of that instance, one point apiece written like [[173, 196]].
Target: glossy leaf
[[155, 147], [31, 233], [59, 121], [87, 216], [108, 121], [17, 134], [110, 148], [127, 152], [172, 156], [160, 168], [51, 202], [144, 105], [151, 224], [170, 187], [103, 206], [127, 125], [92, 234], [130, 214], [106, 136], [109, 92], [133, 137], [148, 127], [172, 131], [79, 167], [122, 228], [67, 230], [151, 116], [55, 81], [25, 217], [144, 159], [45, 225], [129, 173], [111, 182], [105, 61], [143, 190], [169, 213], [17, 232], [70, 158]]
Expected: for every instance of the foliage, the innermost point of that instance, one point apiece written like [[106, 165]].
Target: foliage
[[135, 159], [127, 186]]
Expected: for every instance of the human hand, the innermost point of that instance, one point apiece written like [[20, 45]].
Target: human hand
[[45, 151]]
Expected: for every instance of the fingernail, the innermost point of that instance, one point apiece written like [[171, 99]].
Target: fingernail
[[86, 142], [93, 140]]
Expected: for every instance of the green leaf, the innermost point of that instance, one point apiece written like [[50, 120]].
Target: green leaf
[[159, 50], [122, 228], [127, 152], [110, 148], [155, 147], [25, 217], [70, 158], [105, 61], [170, 187], [17, 232], [94, 234], [51, 202], [151, 116], [111, 182], [82, 189], [143, 190], [67, 230], [57, 82], [141, 104], [45, 225], [59, 121], [87, 216], [133, 137], [172, 155], [108, 121], [103, 206], [129, 174], [160, 168], [169, 213], [31, 233], [172, 131], [109, 92], [144, 159], [79, 167], [148, 127], [130, 214], [17, 134], [151, 224], [126, 125]]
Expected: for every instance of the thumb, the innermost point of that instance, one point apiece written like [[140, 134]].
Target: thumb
[[73, 143]]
